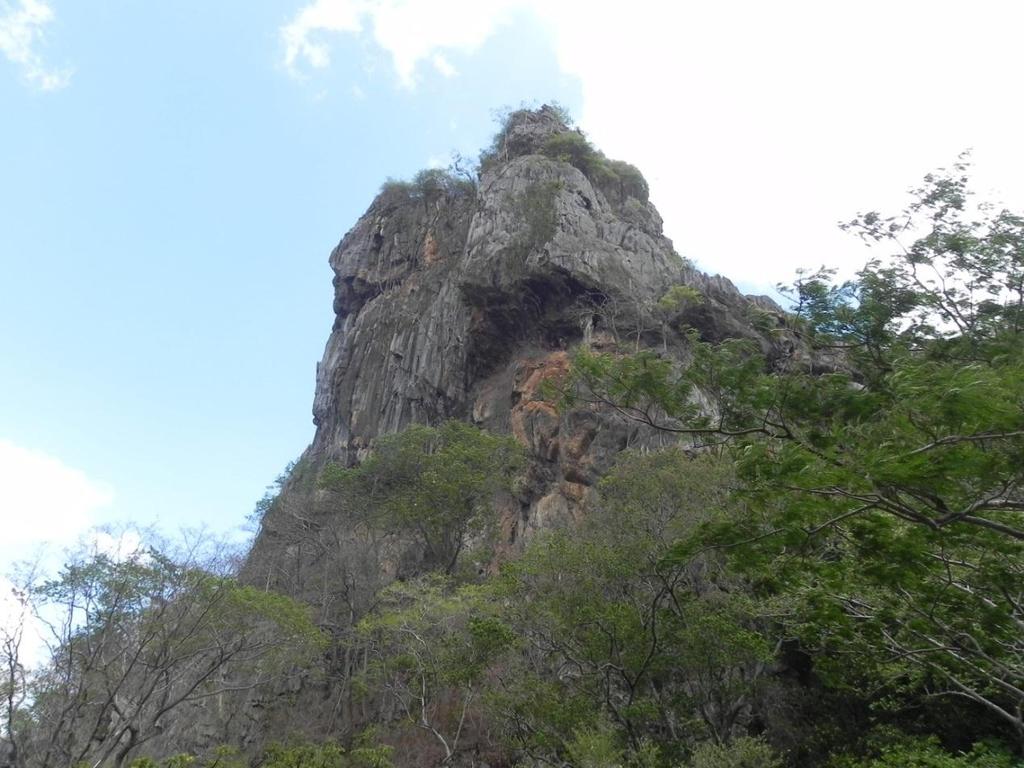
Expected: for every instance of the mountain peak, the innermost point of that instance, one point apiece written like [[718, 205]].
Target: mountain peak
[[525, 131], [457, 299]]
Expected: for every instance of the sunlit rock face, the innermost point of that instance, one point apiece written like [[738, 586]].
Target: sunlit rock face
[[465, 300], [461, 301]]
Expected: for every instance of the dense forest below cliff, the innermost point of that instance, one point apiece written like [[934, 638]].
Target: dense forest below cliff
[[806, 549]]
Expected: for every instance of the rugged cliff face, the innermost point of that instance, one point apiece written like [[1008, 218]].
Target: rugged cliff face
[[460, 300]]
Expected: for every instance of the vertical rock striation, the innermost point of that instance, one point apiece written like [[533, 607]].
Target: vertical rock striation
[[460, 300]]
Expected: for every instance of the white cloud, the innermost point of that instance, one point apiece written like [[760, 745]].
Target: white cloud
[[302, 35], [759, 125], [44, 500], [410, 31], [19, 624], [21, 33], [118, 545], [47, 506], [442, 65]]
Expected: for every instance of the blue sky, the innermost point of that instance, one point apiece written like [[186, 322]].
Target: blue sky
[[174, 175]]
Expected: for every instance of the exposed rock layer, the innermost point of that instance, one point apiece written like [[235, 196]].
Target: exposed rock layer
[[460, 300], [453, 302]]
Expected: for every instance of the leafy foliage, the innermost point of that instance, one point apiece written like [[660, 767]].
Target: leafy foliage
[[437, 483], [610, 175], [135, 639], [431, 184], [326, 756], [304, 755], [507, 118], [271, 493], [593, 647], [616, 633], [886, 453], [927, 753], [744, 752], [431, 645], [536, 207], [679, 296]]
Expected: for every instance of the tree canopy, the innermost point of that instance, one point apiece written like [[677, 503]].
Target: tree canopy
[[885, 451], [438, 483]]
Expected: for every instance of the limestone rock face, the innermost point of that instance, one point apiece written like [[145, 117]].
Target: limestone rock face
[[460, 301], [465, 300]]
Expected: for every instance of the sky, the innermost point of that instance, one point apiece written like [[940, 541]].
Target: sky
[[173, 177]]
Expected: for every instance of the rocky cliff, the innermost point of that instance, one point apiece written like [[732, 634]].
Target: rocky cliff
[[458, 300]]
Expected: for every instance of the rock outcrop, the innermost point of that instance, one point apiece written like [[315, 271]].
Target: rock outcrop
[[461, 299], [458, 300]]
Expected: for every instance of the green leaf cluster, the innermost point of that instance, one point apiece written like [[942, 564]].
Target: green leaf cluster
[[431, 184], [536, 207], [623, 179], [436, 483], [882, 456]]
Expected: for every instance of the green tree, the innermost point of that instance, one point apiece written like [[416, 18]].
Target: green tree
[[927, 753], [431, 645], [617, 633], [362, 755], [14, 677], [538, 209], [137, 639], [744, 752], [436, 483], [886, 451]]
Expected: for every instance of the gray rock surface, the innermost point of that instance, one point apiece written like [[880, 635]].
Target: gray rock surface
[[460, 302]]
